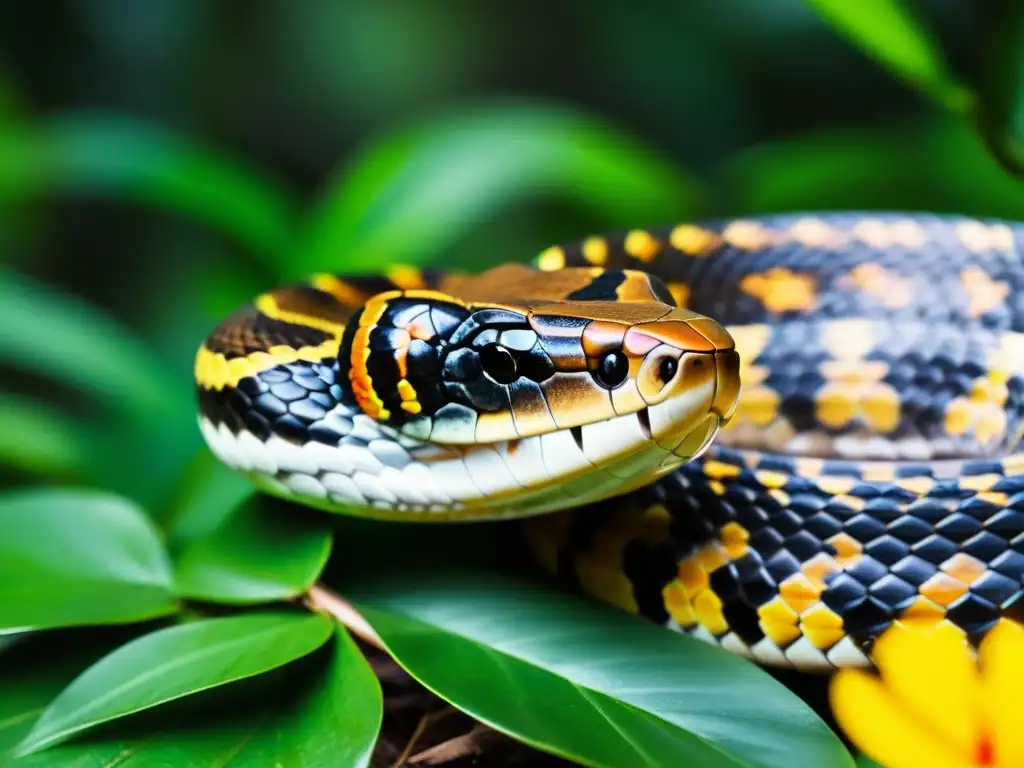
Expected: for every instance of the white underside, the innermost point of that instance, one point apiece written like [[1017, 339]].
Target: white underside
[[378, 472]]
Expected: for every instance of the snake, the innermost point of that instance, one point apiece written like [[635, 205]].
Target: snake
[[780, 434]]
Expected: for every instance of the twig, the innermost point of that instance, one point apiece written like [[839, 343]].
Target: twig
[[421, 726], [322, 600]]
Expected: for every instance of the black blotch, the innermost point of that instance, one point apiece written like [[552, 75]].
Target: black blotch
[[602, 288], [499, 363]]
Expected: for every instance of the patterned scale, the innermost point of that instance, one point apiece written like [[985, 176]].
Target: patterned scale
[[869, 475]]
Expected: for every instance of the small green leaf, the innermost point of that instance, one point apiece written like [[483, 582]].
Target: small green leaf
[[412, 194], [863, 761], [116, 156], [262, 553], [584, 681], [66, 340], [37, 439], [172, 663], [73, 557], [888, 31]]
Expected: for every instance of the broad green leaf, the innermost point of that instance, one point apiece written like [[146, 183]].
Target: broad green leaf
[[324, 711], [264, 552], [208, 494], [936, 165], [64, 339], [37, 439], [889, 32], [72, 557], [412, 194], [585, 681], [173, 663], [123, 158], [1001, 82]]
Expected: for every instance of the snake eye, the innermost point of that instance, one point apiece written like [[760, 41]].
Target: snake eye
[[612, 370], [667, 369], [498, 363]]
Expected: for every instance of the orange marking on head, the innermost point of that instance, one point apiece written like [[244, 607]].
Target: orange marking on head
[[781, 290]]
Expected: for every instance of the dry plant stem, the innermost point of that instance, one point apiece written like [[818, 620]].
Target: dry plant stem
[[421, 726], [322, 600]]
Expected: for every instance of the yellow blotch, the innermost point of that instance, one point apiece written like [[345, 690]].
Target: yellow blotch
[[782, 290], [339, 289], [720, 469], [922, 485], [835, 406], [923, 611], [854, 371], [978, 237], [815, 233], [855, 503], [708, 608], [849, 339], [942, 589], [770, 478], [551, 259], [882, 408], [678, 604], [595, 250], [874, 232], [680, 292], [908, 233], [406, 277], [712, 556], [979, 483], [958, 416], [836, 485], [964, 568], [716, 487], [735, 538], [879, 472], [759, 405], [642, 245], [996, 498], [818, 567], [780, 496], [692, 576], [822, 626], [775, 611], [983, 293], [799, 592], [693, 241], [748, 235], [750, 340], [887, 287]]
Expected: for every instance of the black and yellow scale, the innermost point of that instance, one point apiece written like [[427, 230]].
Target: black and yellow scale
[[865, 473]]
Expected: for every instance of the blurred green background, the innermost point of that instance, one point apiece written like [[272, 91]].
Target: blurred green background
[[161, 162]]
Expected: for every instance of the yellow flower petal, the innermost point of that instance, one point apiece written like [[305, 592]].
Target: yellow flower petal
[[933, 676], [877, 723], [1002, 669]]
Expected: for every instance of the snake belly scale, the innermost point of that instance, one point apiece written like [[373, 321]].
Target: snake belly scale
[[866, 473]]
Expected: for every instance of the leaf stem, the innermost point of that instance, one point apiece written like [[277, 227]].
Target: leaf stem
[[322, 600]]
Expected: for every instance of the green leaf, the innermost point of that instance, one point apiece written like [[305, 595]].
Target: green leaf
[[172, 663], [889, 32], [126, 159], [264, 552], [412, 194], [208, 494], [936, 165], [863, 761], [72, 557], [1001, 82], [584, 681], [322, 711], [37, 439], [64, 339]]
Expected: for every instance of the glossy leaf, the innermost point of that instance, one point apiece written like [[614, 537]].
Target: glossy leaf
[[584, 681], [208, 494], [172, 663], [889, 32], [60, 337], [114, 156], [261, 553], [1001, 82], [39, 440], [73, 557], [936, 165], [410, 195], [324, 711]]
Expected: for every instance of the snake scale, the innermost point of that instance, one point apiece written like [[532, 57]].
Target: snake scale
[[866, 473]]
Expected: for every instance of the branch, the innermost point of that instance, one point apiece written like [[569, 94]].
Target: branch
[[322, 600]]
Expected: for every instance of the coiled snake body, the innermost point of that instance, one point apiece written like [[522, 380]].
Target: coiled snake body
[[866, 474]]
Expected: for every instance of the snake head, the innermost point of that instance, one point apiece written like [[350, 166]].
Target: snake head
[[447, 371]]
